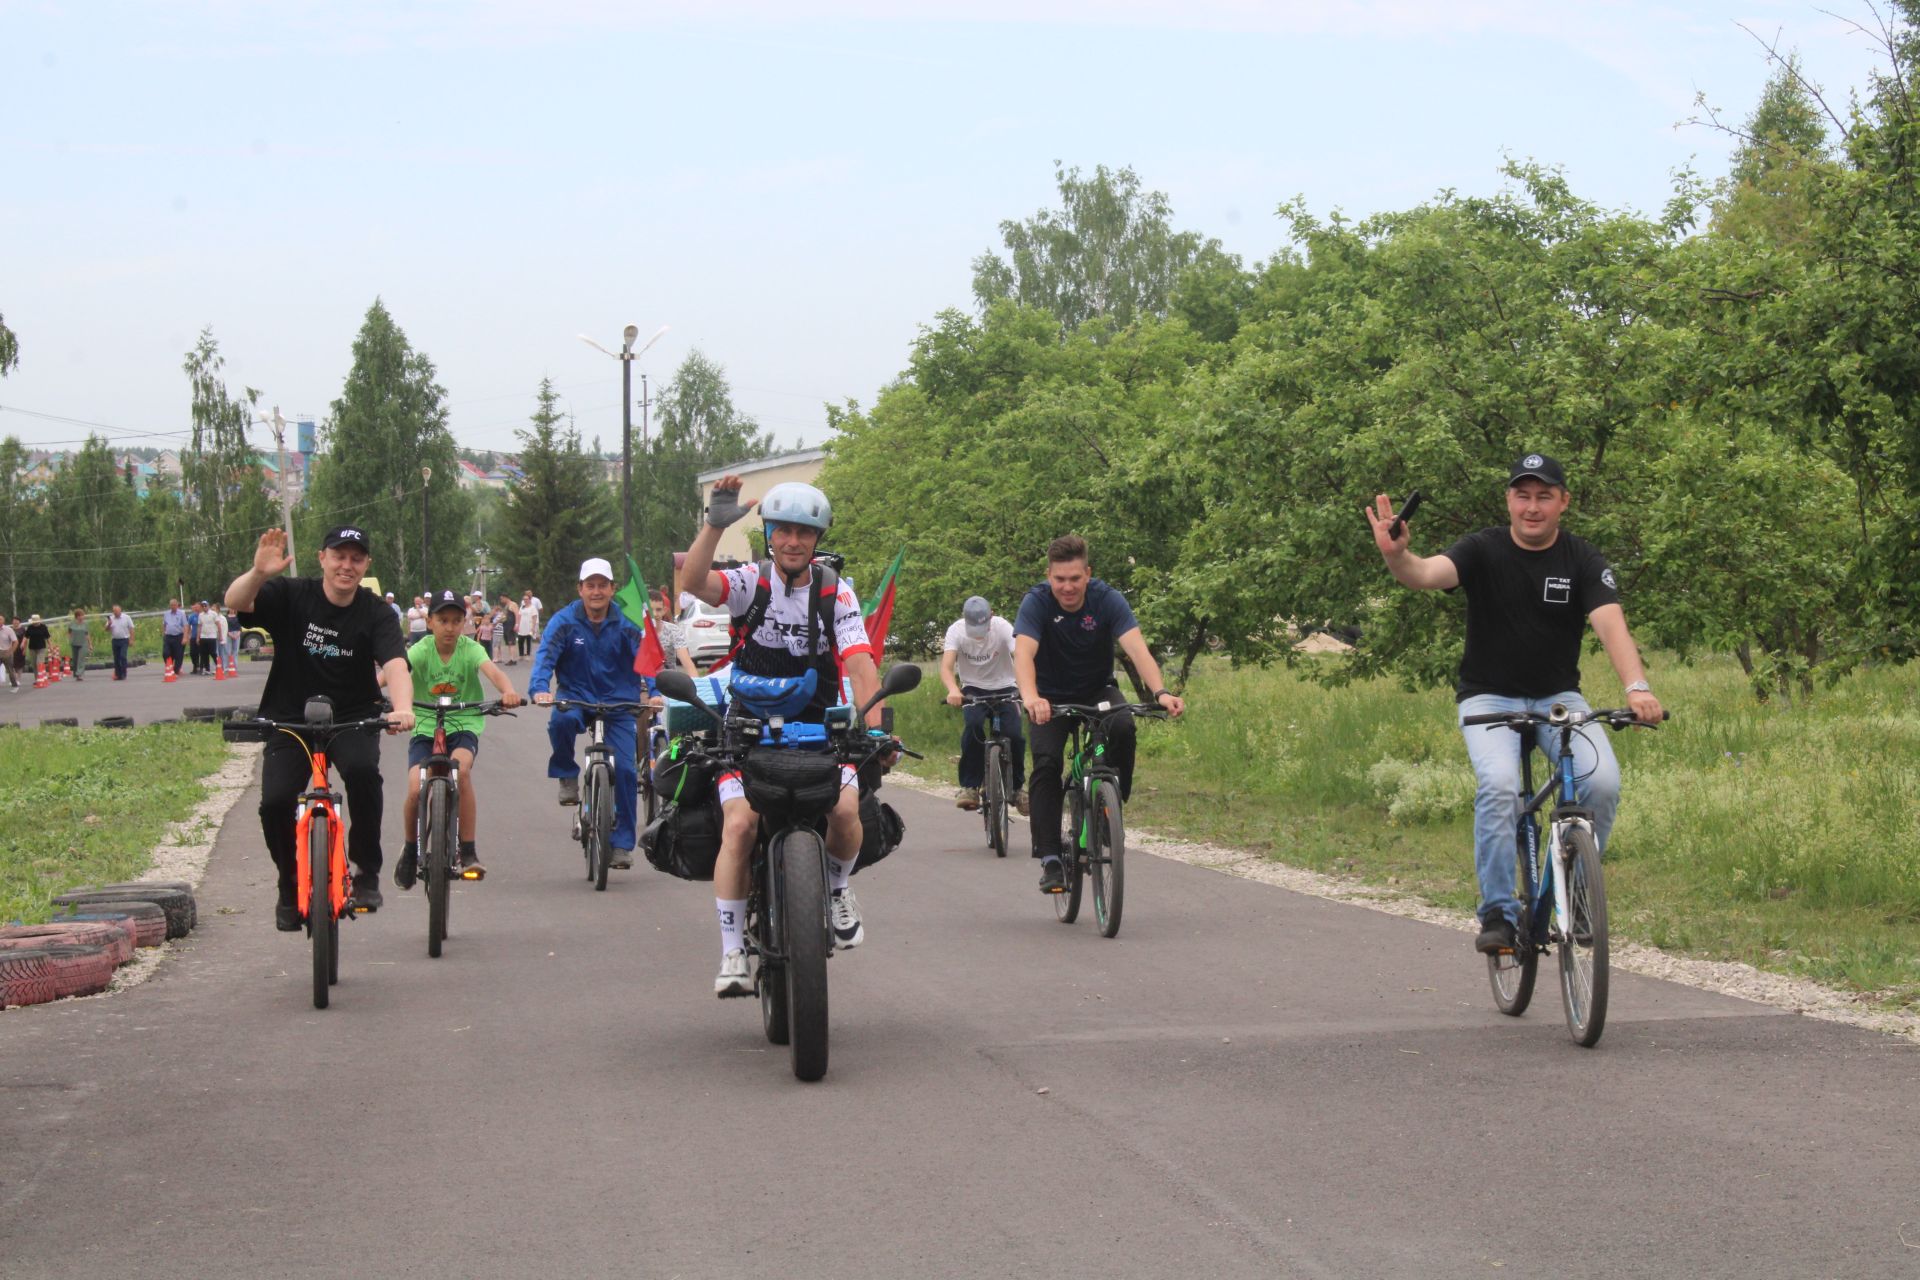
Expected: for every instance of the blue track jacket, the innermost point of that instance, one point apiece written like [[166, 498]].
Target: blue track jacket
[[593, 664]]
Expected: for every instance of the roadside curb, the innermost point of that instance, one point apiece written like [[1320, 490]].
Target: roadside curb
[[1725, 977]]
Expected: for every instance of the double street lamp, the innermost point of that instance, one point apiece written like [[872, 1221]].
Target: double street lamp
[[626, 356]]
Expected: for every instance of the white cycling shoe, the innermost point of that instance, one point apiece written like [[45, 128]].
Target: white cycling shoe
[[848, 932], [735, 977]]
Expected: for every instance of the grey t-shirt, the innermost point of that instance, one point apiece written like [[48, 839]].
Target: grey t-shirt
[[986, 663]]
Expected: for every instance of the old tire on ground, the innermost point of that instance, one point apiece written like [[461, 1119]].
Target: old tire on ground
[[197, 715], [114, 722], [148, 919], [176, 903], [140, 888], [25, 978], [115, 935], [68, 722], [78, 970]]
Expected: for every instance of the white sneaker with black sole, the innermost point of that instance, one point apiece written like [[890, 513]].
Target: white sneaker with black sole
[[735, 978], [848, 932]]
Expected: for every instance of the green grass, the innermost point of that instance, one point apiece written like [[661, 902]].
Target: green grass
[[87, 806], [1786, 837]]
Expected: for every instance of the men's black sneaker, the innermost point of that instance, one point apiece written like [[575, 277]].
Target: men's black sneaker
[[1052, 879], [407, 870], [1496, 936], [286, 916], [366, 893]]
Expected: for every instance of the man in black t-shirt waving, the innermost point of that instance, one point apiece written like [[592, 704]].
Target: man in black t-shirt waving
[[1063, 641], [331, 636], [1531, 589]]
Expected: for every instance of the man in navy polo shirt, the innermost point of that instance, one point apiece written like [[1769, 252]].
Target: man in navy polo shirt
[[1063, 644]]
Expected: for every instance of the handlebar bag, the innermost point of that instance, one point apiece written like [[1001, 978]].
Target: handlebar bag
[[784, 785], [684, 840], [765, 697]]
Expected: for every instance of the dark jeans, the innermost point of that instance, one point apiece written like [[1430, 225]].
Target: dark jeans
[[1046, 787], [973, 743], [203, 656], [120, 659], [174, 647], [78, 654], [525, 640], [284, 771]]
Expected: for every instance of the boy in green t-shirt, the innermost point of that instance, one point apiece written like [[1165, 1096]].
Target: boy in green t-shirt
[[448, 663]]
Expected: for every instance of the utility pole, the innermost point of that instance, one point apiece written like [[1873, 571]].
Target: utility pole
[[426, 527]]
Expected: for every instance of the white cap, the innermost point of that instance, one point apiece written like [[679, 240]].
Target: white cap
[[596, 565]]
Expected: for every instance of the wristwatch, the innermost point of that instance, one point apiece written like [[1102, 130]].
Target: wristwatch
[[1161, 693], [1639, 686]]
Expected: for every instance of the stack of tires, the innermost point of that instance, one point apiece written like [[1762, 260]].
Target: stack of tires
[[75, 953]]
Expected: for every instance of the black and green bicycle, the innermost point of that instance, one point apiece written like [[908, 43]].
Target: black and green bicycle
[[1096, 849]]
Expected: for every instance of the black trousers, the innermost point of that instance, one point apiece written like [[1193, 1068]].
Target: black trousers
[[284, 771], [174, 647], [1046, 789]]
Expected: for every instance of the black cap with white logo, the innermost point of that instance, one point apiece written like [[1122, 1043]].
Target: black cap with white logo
[[1538, 466], [345, 535], [449, 599]]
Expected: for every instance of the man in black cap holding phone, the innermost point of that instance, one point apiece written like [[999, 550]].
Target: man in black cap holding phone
[[331, 636], [1531, 589]]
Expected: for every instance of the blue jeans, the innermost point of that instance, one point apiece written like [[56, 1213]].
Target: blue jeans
[[1495, 754], [973, 745], [120, 659], [623, 737]]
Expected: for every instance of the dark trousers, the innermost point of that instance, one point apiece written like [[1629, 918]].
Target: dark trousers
[[284, 771], [973, 743], [525, 641], [1046, 789], [174, 647], [203, 656], [120, 659]]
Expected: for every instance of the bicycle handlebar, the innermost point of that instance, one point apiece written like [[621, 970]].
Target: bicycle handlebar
[[598, 708], [988, 700], [259, 729], [1615, 718], [485, 708], [1101, 711]]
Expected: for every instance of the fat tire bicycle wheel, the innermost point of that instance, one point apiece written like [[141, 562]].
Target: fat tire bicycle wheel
[[439, 835], [994, 801], [1583, 953], [1106, 857], [799, 861], [321, 925], [773, 1003], [1066, 906]]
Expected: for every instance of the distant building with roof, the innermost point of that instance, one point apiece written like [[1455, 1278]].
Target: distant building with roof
[[761, 474]]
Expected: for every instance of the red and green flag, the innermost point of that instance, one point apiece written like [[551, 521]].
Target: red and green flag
[[632, 599], [879, 608]]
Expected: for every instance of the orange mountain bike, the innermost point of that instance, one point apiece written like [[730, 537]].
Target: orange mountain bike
[[323, 882]]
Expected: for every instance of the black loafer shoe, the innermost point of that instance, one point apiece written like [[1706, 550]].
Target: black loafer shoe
[[1052, 879], [286, 917], [1495, 937]]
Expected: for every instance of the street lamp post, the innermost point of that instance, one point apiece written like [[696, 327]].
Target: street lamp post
[[626, 356], [426, 526]]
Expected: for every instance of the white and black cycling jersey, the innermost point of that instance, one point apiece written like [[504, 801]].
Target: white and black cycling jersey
[[784, 628]]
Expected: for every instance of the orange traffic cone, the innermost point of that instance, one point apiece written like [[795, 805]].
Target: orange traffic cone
[[40, 676], [171, 675], [233, 668], [219, 668], [53, 669], [66, 665]]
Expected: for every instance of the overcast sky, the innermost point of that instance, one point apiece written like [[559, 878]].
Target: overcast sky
[[793, 187]]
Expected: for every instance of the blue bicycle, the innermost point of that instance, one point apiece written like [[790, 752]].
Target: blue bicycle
[[1563, 898]]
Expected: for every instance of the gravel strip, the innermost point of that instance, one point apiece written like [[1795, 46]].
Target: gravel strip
[[1727, 977], [183, 851]]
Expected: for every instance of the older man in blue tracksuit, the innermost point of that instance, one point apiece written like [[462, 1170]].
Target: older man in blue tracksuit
[[589, 647]]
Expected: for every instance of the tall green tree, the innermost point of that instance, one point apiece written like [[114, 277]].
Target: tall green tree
[[562, 511], [387, 428], [220, 474], [9, 349], [699, 428], [18, 522], [1109, 251], [94, 519]]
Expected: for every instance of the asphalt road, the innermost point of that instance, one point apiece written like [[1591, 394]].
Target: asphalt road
[[1246, 1082]]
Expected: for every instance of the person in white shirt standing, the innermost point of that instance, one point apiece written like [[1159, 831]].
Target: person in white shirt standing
[[10, 643], [977, 661], [120, 635], [528, 627]]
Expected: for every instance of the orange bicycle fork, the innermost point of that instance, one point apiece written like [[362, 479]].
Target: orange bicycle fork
[[319, 797]]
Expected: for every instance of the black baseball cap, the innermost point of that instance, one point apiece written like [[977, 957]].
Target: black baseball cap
[[448, 599], [1538, 466], [343, 535]]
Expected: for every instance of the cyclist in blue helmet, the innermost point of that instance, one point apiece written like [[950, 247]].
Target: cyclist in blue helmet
[[785, 626]]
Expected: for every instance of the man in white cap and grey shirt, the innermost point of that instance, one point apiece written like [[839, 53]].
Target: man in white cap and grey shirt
[[977, 663]]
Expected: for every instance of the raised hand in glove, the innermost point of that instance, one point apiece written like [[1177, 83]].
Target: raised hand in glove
[[725, 507]]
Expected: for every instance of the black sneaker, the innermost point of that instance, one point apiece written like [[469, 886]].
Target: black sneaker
[[470, 868], [1052, 878], [407, 870], [1496, 936], [286, 911], [366, 892]]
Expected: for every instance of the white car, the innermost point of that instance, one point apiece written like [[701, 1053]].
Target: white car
[[708, 635]]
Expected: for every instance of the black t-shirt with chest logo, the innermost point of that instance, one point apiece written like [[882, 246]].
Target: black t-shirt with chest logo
[[1527, 611], [321, 647]]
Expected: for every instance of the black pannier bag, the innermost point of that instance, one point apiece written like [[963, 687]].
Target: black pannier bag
[[684, 840], [881, 831], [683, 776], [784, 784]]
